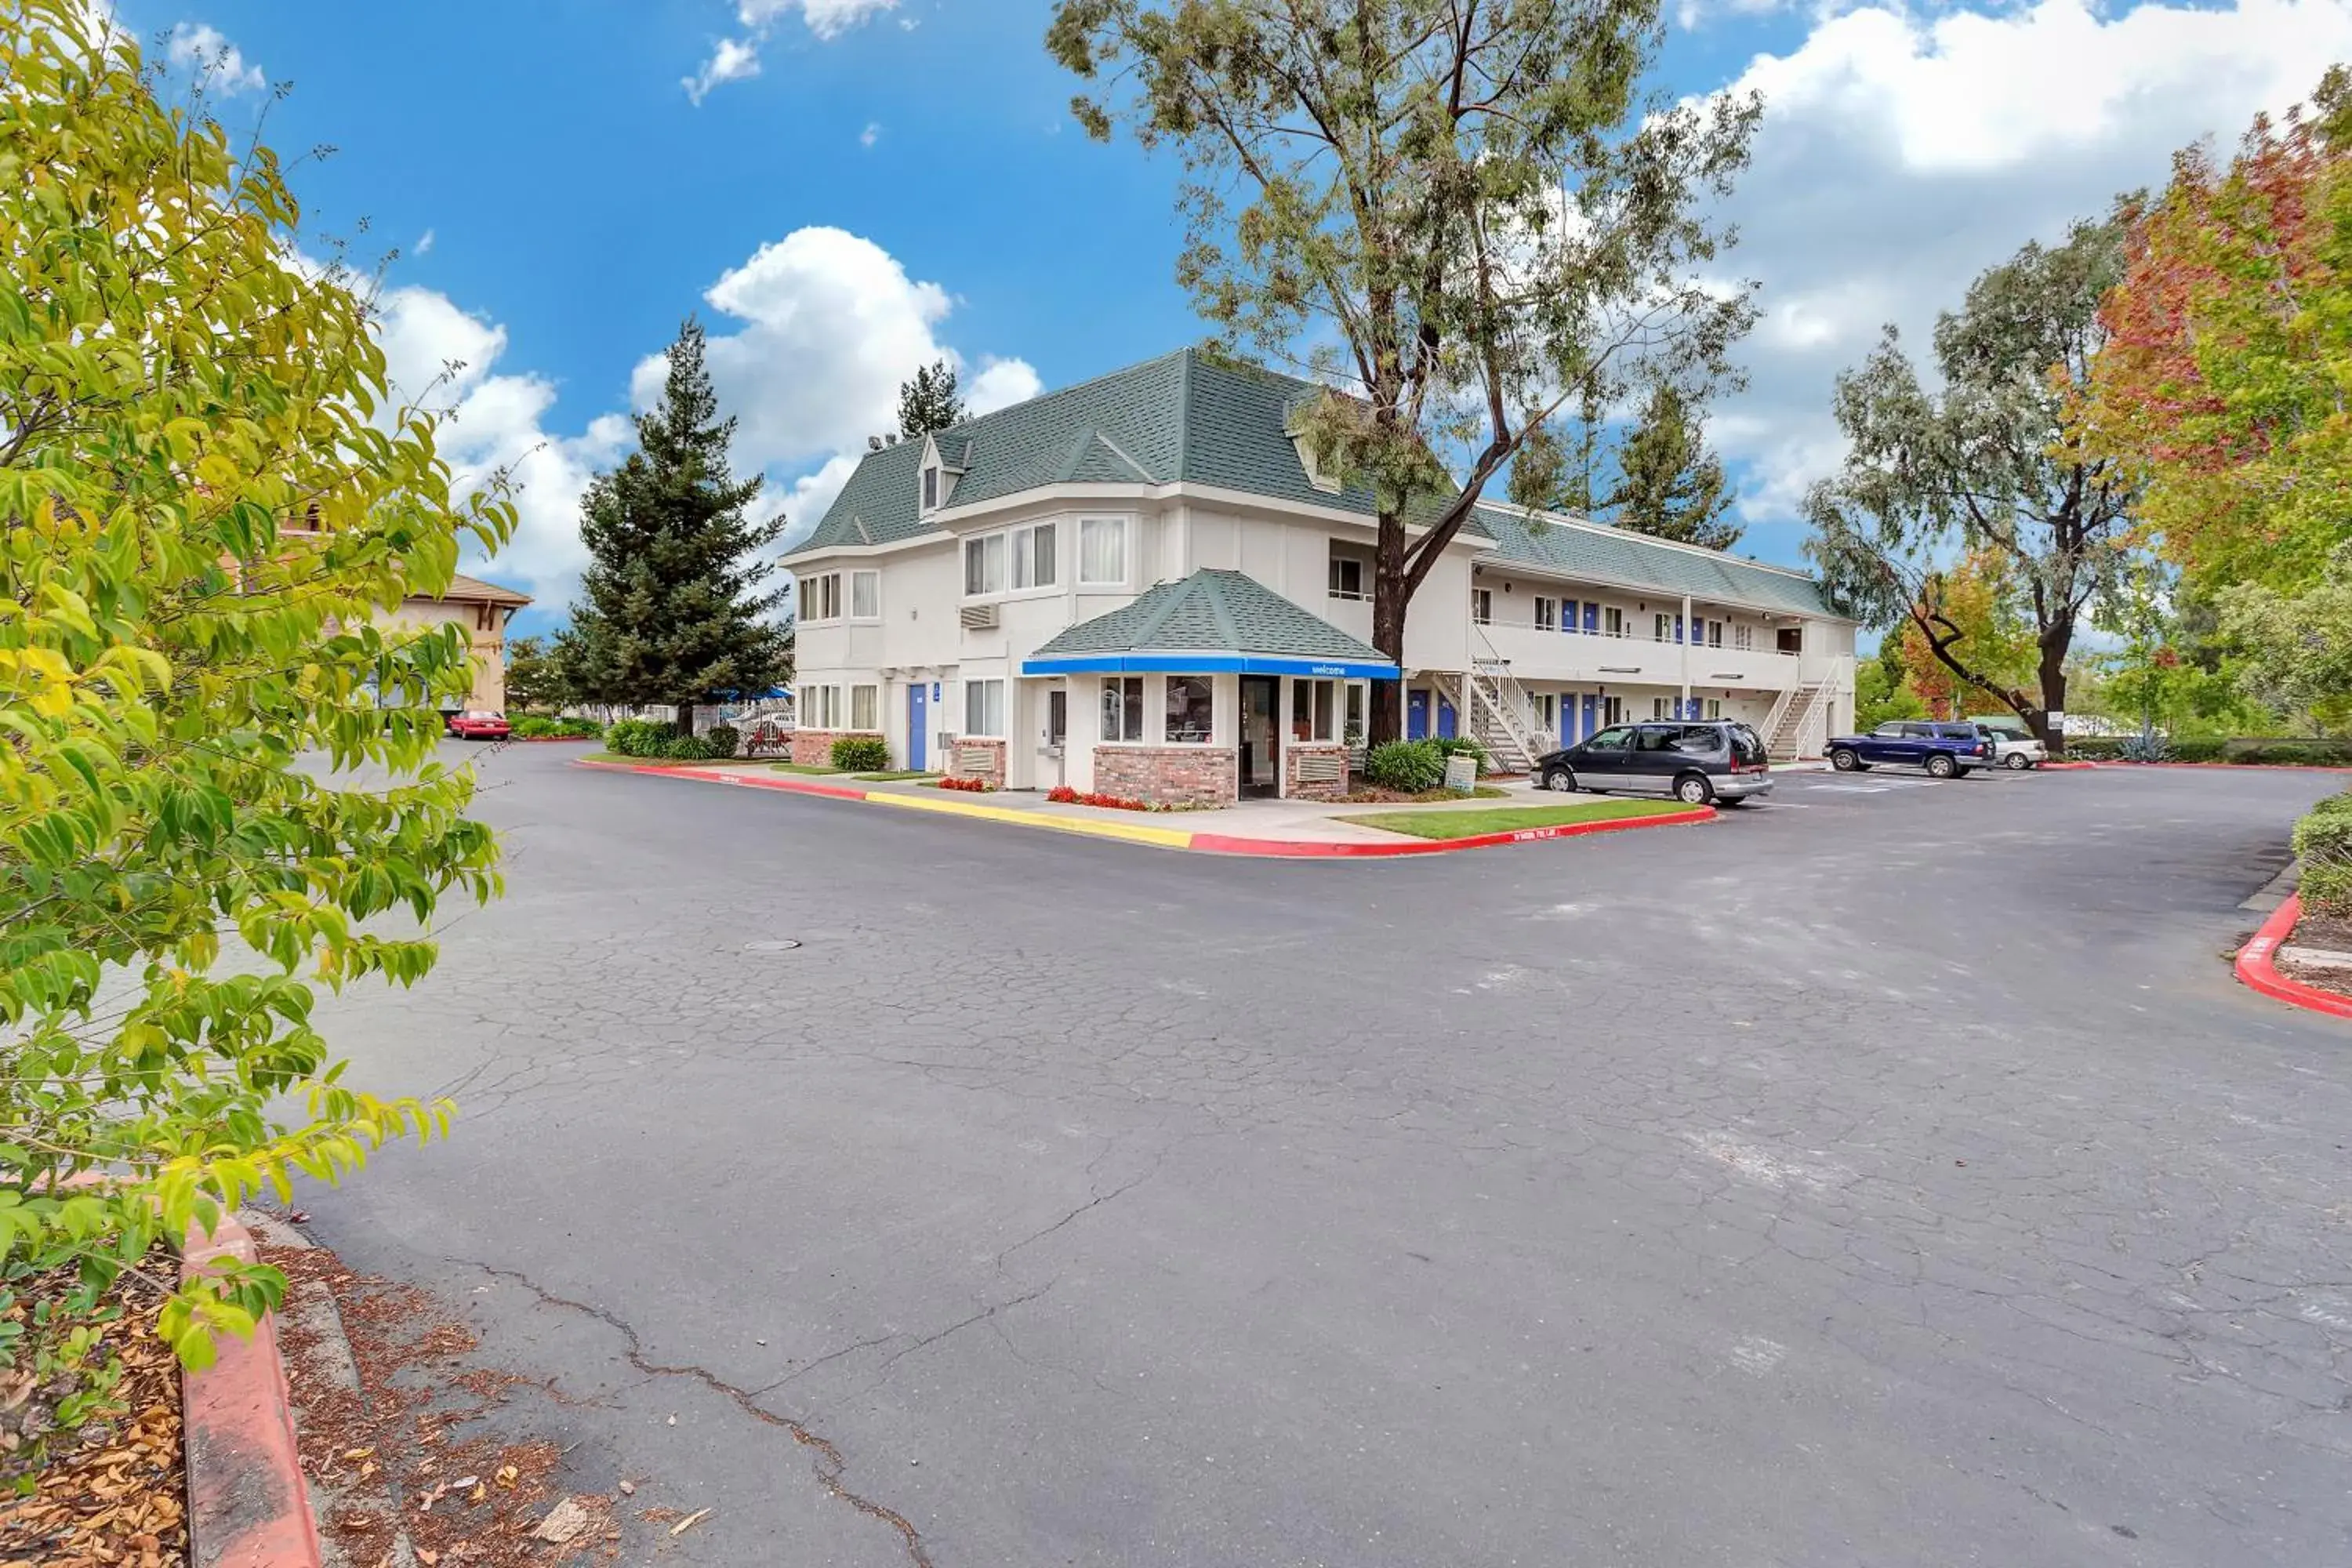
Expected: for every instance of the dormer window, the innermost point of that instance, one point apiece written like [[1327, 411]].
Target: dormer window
[[931, 489]]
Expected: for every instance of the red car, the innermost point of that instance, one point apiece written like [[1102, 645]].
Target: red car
[[479, 726]]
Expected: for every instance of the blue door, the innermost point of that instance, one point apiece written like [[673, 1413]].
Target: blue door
[[1416, 715], [1591, 705], [1444, 717], [919, 710], [1592, 623]]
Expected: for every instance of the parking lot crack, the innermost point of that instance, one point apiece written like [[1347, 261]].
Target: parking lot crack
[[830, 1467]]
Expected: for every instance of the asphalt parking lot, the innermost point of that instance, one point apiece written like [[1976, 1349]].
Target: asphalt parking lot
[[1890, 1174]]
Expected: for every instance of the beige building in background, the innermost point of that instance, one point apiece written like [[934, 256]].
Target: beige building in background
[[483, 609]]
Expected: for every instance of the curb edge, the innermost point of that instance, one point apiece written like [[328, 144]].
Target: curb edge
[[2255, 968], [249, 1505]]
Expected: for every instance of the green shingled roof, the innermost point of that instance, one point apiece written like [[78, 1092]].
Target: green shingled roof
[[1595, 553], [1212, 612], [1187, 417]]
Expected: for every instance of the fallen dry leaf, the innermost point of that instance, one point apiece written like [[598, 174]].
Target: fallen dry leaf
[[565, 1519], [428, 1556], [629, 1488], [689, 1522], [508, 1475]]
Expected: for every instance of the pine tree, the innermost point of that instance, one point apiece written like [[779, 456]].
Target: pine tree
[[672, 608], [928, 402], [1669, 484]]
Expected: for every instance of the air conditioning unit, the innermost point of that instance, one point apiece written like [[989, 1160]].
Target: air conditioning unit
[[980, 618]]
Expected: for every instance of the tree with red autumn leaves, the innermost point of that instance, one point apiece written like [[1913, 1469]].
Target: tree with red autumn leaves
[[2228, 363]]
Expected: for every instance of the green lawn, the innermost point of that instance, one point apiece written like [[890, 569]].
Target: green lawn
[[804, 768], [1470, 822], [893, 777]]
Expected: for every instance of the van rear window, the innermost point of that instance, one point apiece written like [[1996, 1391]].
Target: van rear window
[[1746, 746]]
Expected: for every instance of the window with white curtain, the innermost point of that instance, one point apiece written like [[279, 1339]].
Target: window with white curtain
[[864, 596], [984, 707], [984, 564], [865, 708], [1102, 551]]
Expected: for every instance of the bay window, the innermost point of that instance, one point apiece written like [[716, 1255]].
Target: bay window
[[1122, 708], [865, 595], [821, 597], [1191, 710], [984, 564], [983, 707], [1032, 550], [1102, 551]]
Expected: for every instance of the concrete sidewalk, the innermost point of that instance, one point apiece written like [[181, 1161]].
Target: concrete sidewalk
[[1274, 827]]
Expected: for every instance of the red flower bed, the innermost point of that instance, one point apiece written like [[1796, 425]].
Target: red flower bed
[[970, 787], [1063, 795]]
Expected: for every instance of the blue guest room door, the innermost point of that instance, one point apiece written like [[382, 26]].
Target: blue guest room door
[[1416, 715], [917, 712]]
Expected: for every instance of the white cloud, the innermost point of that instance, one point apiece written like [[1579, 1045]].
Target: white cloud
[[425, 243], [733, 60], [1900, 155], [736, 59], [199, 47], [871, 135], [830, 324]]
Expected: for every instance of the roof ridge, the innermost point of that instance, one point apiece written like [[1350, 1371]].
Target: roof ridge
[[1120, 453], [1611, 530], [1185, 413], [1227, 626]]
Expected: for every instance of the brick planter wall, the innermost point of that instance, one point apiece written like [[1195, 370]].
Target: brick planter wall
[[813, 748], [1169, 775], [1330, 753], [993, 772]]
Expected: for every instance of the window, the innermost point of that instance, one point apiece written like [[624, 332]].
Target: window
[[1314, 709], [1743, 637], [1613, 711], [821, 597], [1612, 622], [1102, 551], [1122, 708], [865, 595], [1191, 710], [1667, 629], [984, 564], [1360, 697], [983, 707], [1889, 732], [1658, 738], [931, 489], [820, 707], [1715, 634], [1547, 614], [1482, 606], [1351, 574], [1664, 708], [1033, 557], [1547, 712], [1610, 740], [1715, 707], [866, 708]]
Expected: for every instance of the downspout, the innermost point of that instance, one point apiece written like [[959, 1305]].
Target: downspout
[[1687, 640]]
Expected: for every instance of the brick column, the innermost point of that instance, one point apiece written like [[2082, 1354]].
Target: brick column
[[989, 767], [1327, 758]]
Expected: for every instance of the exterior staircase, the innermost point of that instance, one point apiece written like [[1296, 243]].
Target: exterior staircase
[[1501, 718], [1796, 720]]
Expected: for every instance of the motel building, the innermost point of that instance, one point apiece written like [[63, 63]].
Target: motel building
[[1140, 585]]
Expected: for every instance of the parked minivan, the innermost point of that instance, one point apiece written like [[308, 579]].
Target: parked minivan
[[1698, 761]]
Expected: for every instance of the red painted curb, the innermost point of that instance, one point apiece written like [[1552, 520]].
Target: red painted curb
[[2060, 767], [2255, 967], [2219, 767], [1301, 849], [248, 1504], [771, 781]]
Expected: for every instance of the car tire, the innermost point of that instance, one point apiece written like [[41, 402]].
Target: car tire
[[2017, 762], [1692, 789], [1560, 780], [1731, 800], [1941, 766], [1844, 760]]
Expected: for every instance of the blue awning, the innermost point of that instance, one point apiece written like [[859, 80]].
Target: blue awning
[[1179, 662]]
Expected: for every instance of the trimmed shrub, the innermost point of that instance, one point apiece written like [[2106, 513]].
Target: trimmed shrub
[[721, 739], [2094, 748], [1411, 766], [2324, 839], [1463, 746], [690, 749], [2198, 748], [2317, 753], [540, 726], [638, 737], [861, 753]]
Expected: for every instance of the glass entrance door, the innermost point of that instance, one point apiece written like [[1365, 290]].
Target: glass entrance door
[[1261, 755]]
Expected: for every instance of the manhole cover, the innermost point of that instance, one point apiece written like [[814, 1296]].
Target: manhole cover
[[781, 944]]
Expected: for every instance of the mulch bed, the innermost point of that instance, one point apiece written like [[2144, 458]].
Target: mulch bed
[[2331, 931], [114, 1493], [395, 1450]]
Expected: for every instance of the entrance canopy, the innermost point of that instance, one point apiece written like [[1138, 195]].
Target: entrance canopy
[[1212, 622]]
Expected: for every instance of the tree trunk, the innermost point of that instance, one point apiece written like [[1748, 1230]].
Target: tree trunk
[[1388, 599], [686, 718], [2053, 694]]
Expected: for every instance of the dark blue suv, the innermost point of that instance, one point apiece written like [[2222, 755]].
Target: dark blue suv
[[1946, 750]]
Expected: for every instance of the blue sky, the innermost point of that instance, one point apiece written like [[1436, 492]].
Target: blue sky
[[890, 181]]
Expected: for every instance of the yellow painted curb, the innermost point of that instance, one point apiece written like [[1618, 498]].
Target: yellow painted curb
[[1167, 838]]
